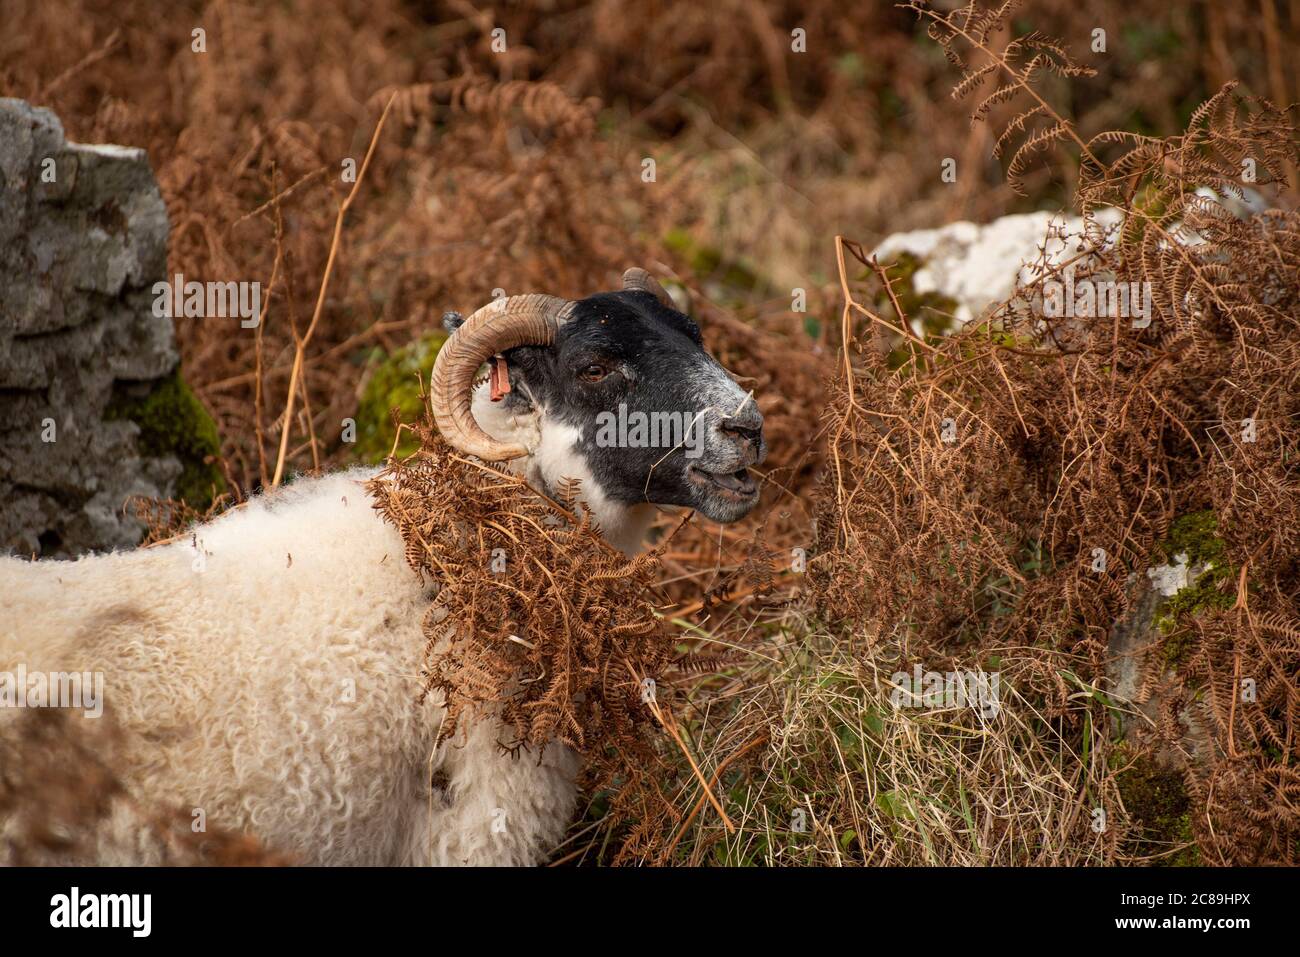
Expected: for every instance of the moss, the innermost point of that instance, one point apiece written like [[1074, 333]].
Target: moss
[[174, 422], [1147, 41], [1179, 644], [1158, 803], [1196, 536], [709, 262], [932, 310], [394, 383], [853, 68]]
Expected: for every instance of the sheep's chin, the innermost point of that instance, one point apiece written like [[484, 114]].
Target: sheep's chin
[[722, 497]]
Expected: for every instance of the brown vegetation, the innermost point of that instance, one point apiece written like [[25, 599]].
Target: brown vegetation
[[522, 170]]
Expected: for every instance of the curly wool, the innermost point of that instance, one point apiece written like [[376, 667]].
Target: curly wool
[[263, 676]]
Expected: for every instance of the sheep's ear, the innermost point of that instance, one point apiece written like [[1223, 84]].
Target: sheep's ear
[[451, 321], [531, 373]]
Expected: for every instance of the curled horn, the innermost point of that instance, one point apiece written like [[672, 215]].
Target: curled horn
[[531, 320], [637, 279]]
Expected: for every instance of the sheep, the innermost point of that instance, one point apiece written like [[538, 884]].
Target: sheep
[[262, 674]]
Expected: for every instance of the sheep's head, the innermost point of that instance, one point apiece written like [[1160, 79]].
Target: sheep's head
[[620, 381]]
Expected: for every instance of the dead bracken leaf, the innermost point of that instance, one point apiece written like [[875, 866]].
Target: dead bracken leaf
[[535, 613]]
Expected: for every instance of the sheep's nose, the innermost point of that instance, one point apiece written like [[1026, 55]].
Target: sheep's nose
[[742, 428], [746, 421], [745, 427]]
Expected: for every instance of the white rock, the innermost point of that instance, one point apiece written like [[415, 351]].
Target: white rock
[[1169, 580], [979, 265]]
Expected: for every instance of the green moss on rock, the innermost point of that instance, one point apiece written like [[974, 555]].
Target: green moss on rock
[[395, 382], [174, 422], [1157, 801], [1195, 536], [933, 311]]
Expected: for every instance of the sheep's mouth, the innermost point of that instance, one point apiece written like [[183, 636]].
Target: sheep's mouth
[[737, 486]]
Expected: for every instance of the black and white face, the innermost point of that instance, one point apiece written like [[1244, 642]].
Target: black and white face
[[653, 417]]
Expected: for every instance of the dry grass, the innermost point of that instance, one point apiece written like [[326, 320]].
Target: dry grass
[[848, 778]]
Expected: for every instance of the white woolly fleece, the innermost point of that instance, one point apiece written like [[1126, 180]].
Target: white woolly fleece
[[266, 671]]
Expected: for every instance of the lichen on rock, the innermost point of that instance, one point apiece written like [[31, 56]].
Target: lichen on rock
[[1194, 545], [930, 313], [83, 238], [979, 265]]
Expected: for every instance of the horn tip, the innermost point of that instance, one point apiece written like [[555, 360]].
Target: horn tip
[[504, 453]]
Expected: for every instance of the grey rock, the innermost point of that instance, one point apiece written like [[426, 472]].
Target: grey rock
[[83, 238], [1133, 641]]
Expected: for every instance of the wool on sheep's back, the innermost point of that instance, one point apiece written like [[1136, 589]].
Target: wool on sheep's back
[[263, 675]]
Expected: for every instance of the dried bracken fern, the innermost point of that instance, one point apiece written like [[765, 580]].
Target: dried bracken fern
[[544, 106], [539, 623], [535, 615], [1015, 68], [1011, 489]]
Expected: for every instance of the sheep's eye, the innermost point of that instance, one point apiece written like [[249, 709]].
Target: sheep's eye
[[593, 373]]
